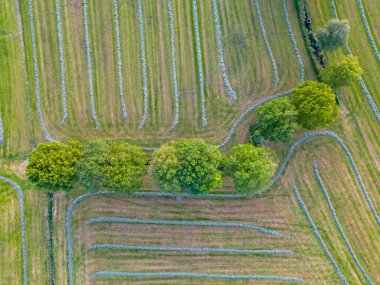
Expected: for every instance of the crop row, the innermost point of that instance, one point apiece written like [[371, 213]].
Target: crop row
[[223, 68], [332, 210], [174, 66], [301, 65], [118, 54], [20, 197], [61, 60], [362, 84], [143, 63], [267, 44], [47, 135], [200, 64], [89, 66], [310, 220], [193, 275], [368, 30]]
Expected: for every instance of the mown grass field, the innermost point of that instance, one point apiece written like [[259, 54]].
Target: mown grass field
[[251, 75]]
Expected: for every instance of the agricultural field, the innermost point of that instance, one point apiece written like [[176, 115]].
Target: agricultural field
[[152, 71]]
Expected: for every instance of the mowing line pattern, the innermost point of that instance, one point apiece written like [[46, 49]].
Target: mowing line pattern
[[193, 275], [20, 197], [362, 84], [119, 65], [106, 219], [89, 66], [46, 133], [200, 65], [368, 30], [143, 63], [223, 68], [174, 66], [267, 44], [301, 65], [316, 233], [332, 210], [61, 60], [191, 249]]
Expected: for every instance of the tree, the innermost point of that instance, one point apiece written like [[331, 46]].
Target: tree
[[277, 120], [343, 73], [111, 166], [250, 167], [315, 104], [52, 165], [187, 165], [334, 34]]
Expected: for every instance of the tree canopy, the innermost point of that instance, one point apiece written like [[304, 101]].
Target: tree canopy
[[277, 120], [315, 104], [334, 34], [52, 165], [250, 167], [187, 165], [114, 166], [342, 73]]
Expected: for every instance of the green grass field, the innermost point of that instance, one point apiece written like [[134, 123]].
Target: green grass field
[[251, 76]]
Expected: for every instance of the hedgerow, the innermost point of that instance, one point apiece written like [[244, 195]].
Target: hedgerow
[[119, 64], [20, 197], [89, 66], [223, 68], [46, 133], [193, 275], [301, 65], [314, 228], [332, 210], [143, 63], [200, 67], [174, 66], [191, 249], [267, 44], [61, 60]]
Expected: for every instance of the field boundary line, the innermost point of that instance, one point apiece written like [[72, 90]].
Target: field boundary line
[[267, 44], [192, 249], [332, 210], [61, 60], [119, 63], [174, 65], [301, 65], [46, 133], [20, 197], [1, 129], [316, 233], [200, 64], [89, 65], [223, 68], [143, 63], [193, 275]]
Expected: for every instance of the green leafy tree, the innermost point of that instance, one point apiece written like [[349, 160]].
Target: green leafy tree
[[334, 34], [277, 120], [315, 104], [187, 165], [343, 73], [111, 166], [52, 165], [250, 167]]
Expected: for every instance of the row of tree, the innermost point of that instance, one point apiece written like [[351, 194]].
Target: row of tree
[[187, 165]]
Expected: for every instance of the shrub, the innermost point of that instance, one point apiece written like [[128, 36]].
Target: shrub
[[315, 104], [112, 166], [250, 167], [187, 165], [343, 73], [277, 120], [52, 165], [334, 34]]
